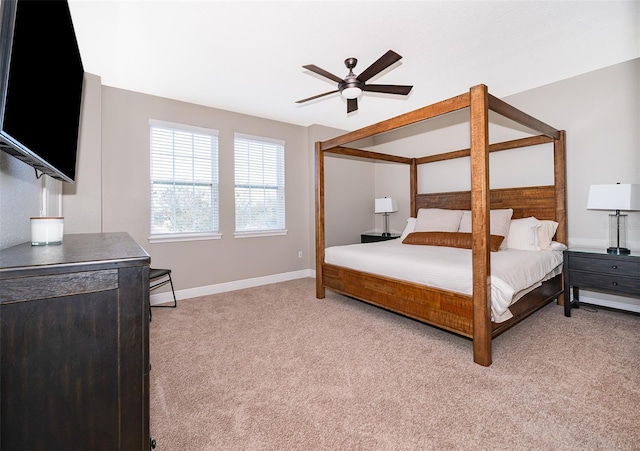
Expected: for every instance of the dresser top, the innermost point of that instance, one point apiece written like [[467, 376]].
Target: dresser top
[[76, 249]]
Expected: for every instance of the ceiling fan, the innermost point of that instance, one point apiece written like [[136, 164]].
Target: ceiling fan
[[352, 86]]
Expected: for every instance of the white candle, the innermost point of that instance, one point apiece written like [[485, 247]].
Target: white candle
[[47, 230]]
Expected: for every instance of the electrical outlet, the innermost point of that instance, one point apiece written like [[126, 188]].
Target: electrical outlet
[[299, 254]]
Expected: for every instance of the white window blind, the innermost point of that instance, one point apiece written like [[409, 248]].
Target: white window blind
[[259, 184], [184, 180]]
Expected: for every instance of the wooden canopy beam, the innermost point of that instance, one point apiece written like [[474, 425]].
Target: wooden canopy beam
[[503, 108], [506, 145], [368, 154], [427, 112]]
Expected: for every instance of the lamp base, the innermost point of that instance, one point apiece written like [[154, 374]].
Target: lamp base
[[618, 250], [386, 234]]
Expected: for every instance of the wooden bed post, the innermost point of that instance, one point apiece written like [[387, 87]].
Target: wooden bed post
[[560, 181], [480, 208], [319, 153], [560, 176], [413, 187]]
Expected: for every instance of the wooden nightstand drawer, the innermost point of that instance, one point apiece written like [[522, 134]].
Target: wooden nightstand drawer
[[605, 265], [608, 282]]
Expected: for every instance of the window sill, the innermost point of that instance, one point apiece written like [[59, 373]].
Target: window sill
[[259, 233], [173, 237]]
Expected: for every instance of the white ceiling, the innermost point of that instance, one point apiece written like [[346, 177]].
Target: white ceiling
[[247, 56]]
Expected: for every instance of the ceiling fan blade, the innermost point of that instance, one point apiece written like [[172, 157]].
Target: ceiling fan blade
[[383, 62], [324, 73], [317, 96], [352, 105], [389, 89]]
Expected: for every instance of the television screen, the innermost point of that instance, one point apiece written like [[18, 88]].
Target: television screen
[[41, 82]]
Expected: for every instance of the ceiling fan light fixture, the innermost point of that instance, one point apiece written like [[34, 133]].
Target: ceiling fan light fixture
[[352, 86], [351, 93]]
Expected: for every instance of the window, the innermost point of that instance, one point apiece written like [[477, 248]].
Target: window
[[259, 186], [184, 182]]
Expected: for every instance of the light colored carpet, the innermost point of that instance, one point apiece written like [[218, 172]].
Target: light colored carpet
[[274, 368]]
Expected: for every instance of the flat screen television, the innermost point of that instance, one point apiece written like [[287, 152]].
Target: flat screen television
[[41, 84]]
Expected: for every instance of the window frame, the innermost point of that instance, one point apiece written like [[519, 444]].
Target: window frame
[[280, 187], [215, 184]]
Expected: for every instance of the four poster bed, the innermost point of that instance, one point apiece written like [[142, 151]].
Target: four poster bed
[[468, 314]]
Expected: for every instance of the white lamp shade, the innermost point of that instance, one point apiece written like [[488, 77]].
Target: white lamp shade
[[614, 197], [386, 205]]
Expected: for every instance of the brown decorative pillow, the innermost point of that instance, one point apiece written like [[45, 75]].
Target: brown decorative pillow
[[449, 239]]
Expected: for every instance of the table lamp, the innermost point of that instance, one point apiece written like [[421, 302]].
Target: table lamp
[[625, 197], [385, 206]]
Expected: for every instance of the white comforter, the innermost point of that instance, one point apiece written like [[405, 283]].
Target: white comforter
[[513, 272]]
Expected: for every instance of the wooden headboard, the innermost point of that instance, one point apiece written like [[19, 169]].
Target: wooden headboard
[[538, 201]]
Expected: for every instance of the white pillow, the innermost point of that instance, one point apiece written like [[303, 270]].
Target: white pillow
[[523, 234], [556, 246], [500, 221], [546, 231], [411, 222], [438, 220]]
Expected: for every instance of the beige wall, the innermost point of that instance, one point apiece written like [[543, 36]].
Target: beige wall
[[82, 200], [349, 200], [600, 112], [126, 196]]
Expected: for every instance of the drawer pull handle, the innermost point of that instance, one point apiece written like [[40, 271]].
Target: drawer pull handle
[[615, 284], [615, 267]]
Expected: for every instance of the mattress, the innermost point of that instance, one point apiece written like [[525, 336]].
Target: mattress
[[513, 272]]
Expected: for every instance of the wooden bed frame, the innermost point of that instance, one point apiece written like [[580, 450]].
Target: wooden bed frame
[[469, 316]]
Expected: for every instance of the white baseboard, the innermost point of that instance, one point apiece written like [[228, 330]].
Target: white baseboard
[[166, 297], [610, 304]]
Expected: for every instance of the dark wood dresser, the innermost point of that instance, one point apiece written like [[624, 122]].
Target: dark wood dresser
[[75, 345]]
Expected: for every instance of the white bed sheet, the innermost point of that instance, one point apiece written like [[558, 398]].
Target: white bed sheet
[[513, 272]]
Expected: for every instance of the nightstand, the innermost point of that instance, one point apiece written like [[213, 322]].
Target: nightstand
[[595, 269], [373, 237]]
